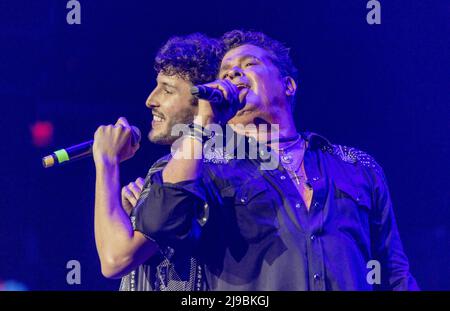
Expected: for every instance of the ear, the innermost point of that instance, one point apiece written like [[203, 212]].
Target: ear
[[290, 86]]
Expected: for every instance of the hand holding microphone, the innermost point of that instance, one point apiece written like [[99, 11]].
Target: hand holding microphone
[[219, 101], [111, 144]]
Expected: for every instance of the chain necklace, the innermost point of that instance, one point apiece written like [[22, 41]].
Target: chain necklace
[[292, 163], [286, 157]]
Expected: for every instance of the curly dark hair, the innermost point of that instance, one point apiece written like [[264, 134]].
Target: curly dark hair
[[278, 51], [195, 58]]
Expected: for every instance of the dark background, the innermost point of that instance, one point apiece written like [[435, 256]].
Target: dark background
[[382, 88]]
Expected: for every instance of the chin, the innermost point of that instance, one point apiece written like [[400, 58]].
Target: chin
[[247, 117], [155, 136], [151, 136], [161, 138]]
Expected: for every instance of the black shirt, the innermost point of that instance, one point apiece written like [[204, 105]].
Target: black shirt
[[250, 229]]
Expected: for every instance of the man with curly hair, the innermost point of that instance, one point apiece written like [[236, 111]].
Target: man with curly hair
[[123, 247]]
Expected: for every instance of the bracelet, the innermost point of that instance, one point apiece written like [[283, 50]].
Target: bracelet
[[200, 133], [194, 137]]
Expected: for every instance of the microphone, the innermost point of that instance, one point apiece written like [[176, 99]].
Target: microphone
[[81, 151], [214, 96]]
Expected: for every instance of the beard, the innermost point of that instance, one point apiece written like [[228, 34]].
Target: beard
[[162, 134]]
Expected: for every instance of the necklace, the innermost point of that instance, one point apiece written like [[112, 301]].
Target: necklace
[[292, 160], [286, 157]]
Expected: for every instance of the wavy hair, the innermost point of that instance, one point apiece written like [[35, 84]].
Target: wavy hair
[[194, 57]]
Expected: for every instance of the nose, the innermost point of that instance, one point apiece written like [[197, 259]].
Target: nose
[[151, 101], [234, 72]]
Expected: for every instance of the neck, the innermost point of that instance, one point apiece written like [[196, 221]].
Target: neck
[[286, 124], [263, 131]]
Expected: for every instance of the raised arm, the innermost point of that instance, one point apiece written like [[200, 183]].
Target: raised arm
[[120, 249]]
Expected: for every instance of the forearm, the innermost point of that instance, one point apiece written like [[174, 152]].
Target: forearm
[[120, 248], [188, 160], [187, 165], [113, 229]]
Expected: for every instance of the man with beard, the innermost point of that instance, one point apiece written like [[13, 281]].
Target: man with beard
[[124, 249]]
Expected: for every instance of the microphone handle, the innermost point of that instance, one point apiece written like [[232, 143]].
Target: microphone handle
[[81, 151], [72, 153], [214, 96]]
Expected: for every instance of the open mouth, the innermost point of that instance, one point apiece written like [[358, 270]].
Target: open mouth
[[241, 86], [157, 118]]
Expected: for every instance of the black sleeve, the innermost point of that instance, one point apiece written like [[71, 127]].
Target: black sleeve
[[386, 244], [168, 213]]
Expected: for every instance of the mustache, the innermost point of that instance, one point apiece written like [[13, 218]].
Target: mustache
[[158, 114]]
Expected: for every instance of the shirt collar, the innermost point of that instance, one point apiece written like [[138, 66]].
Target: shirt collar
[[315, 140]]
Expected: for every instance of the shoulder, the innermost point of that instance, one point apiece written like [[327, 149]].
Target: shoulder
[[342, 153], [162, 161], [158, 165]]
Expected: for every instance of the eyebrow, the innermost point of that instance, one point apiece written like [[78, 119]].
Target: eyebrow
[[167, 84], [240, 60]]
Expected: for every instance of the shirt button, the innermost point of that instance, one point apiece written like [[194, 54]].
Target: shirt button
[[312, 237], [282, 177], [243, 199], [316, 276]]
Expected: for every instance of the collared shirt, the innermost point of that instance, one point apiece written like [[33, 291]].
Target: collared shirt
[[251, 230]]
